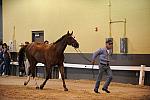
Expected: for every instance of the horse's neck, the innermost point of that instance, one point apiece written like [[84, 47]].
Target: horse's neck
[[60, 47]]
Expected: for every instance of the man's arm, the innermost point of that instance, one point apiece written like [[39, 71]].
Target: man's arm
[[95, 54]]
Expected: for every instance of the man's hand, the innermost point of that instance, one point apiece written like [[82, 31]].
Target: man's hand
[[93, 62]]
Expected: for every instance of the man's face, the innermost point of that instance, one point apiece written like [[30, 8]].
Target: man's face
[[109, 45]]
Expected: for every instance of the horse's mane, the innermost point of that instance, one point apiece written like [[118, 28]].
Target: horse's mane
[[60, 38]]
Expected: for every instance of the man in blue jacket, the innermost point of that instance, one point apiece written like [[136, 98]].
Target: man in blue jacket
[[104, 62]]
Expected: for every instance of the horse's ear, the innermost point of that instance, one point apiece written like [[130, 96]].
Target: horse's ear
[[68, 32], [71, 32]]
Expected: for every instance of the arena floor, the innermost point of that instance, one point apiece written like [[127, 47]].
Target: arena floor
[[12, 88]]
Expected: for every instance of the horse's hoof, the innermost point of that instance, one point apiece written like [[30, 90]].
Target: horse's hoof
[[25, 83], [41, 87], [65, 89], [37, 87]]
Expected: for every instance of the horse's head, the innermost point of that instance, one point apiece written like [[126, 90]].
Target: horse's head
[[71, 40]]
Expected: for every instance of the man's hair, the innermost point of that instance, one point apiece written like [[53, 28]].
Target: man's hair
[[109, 41]]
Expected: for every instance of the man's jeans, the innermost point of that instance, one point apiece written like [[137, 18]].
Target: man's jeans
[[102, 69]]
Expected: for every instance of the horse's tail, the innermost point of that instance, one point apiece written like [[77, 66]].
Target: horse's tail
[[21, 59]]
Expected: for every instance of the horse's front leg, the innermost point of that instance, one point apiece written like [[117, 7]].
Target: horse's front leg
[[48, 74], [27, 81], [61, 69]]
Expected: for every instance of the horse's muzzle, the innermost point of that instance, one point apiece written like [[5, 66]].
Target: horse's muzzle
[[76, 45]]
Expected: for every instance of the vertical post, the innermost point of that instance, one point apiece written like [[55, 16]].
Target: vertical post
[[14, 33], [124, 28], [14, 40], [142, 75], [110, 18]]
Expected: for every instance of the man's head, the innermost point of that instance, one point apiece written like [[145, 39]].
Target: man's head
[[4, 45], [109, 44]]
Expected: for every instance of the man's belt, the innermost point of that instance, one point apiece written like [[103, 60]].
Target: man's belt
[[105, 64]]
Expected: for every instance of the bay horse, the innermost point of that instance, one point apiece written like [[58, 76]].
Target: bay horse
[[48, 54]]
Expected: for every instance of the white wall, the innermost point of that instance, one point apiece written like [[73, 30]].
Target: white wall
[[56, 17]]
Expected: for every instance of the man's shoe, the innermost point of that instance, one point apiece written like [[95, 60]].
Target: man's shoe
[[105, 90], [96, 91]]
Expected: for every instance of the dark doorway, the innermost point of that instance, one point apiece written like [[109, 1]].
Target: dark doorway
[[37, 36]]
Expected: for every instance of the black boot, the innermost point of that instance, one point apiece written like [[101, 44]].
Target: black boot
[[96, 91], [105, 90]]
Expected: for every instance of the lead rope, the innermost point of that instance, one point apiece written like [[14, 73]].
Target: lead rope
[[83, 56]]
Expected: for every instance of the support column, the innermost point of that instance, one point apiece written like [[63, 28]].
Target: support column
[[142, 75]]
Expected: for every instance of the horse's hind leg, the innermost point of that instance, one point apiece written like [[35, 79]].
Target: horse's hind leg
[[28, 76], [36, 84], [48, 73], [33, 72], [61, 69], [27, 81]]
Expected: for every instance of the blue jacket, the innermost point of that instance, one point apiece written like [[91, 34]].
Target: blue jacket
[[104, 56]]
